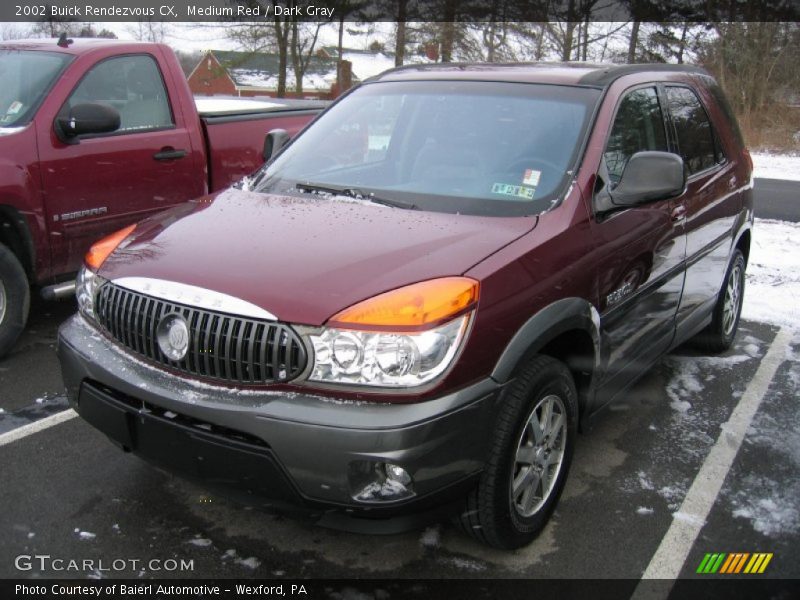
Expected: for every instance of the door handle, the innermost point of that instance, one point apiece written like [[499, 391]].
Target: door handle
[[169, 153], [678, 213]]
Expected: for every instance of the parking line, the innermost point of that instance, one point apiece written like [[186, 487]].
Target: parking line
[[40, 425], [686, 524]]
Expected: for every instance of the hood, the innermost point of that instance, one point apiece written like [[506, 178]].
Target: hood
[[305, 259]]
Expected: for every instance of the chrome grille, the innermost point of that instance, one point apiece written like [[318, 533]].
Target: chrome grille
[[221, 346]]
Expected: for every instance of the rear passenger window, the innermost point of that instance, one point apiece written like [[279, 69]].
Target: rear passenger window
[[695, 136], [638, 126], [132, 85]]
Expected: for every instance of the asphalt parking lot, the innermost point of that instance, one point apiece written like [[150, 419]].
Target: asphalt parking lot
[[68, 492]]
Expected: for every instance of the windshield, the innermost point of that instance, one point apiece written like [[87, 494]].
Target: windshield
[[483, 148], [26, 76]]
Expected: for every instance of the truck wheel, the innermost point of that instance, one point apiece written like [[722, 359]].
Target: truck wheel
[[534, 438], [15, 299], [719, 335]]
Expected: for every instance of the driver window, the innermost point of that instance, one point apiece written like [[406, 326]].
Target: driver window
[[638, 126], [132, 85]]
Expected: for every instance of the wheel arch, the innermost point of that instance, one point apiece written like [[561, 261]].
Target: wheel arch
[[743, 243], [16, 236], [568, 330]]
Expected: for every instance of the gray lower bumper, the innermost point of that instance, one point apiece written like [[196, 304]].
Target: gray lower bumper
[[313, 439]]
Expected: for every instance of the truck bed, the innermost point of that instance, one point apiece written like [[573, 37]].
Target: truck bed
[[235, 130]]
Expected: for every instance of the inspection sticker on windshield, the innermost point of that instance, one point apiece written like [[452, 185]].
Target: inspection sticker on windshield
[[520, 191], [15, 107], [531, 177]]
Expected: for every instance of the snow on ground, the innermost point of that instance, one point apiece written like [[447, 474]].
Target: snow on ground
[[776, 166], [431, 537], [200, 542], [769, 505], [772, 292]]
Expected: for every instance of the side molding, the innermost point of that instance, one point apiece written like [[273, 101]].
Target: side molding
[[563, 315]]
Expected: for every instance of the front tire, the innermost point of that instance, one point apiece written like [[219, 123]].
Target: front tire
[[15, 298], [719, 335], [534, 439]]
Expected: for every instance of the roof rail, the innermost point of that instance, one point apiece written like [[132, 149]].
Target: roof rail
[[605, 76]]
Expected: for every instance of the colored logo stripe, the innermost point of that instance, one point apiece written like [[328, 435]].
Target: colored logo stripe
[[758, 563], [711, 563], [733, 563]]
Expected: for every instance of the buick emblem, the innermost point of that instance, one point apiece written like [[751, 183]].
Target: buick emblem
[[173, 336]]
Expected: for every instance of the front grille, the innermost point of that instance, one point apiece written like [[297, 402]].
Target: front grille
[[221, 346]]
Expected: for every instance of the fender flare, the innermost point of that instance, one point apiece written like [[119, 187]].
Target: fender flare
[[21, 228], [567, 314]]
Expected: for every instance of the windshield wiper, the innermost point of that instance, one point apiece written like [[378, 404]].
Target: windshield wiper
[[353, 193]]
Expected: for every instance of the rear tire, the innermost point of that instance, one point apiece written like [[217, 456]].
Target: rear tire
[[15, 299], [719, 335], [534, 438]]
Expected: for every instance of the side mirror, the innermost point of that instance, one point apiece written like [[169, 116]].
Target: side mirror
[[276, 139], [87, 118], [648, 176]]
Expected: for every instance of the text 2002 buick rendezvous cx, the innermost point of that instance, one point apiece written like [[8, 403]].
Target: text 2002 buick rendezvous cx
[[421, 300]]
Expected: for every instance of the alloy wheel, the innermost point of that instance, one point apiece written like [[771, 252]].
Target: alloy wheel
[[539, 455], [733, 297]]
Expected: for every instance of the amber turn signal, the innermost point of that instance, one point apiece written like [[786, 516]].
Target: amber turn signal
[[415, 305], [100, 250]]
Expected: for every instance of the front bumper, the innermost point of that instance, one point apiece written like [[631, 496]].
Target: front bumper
[[279, 449]]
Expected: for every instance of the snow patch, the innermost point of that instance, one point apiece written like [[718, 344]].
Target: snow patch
[[431, 537], [86, 535], [770, 506], [200, 542], [684, 383], [250, 562], [644, 510], [772, 288], [775, 166], [673, 495], [464, 564]]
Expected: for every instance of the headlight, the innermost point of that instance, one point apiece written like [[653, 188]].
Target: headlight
[[86, 286], [386, 359], [88, 281], [403, 338]]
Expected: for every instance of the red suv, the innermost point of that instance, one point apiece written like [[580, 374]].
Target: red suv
[[417, 303]]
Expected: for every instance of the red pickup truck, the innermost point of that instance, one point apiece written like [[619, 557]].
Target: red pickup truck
[[98, 134]]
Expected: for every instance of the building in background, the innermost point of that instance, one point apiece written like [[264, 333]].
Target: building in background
[[227, 73]]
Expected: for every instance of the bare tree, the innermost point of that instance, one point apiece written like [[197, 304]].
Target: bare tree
[[148, 31], [14, 31], [303, 41]]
